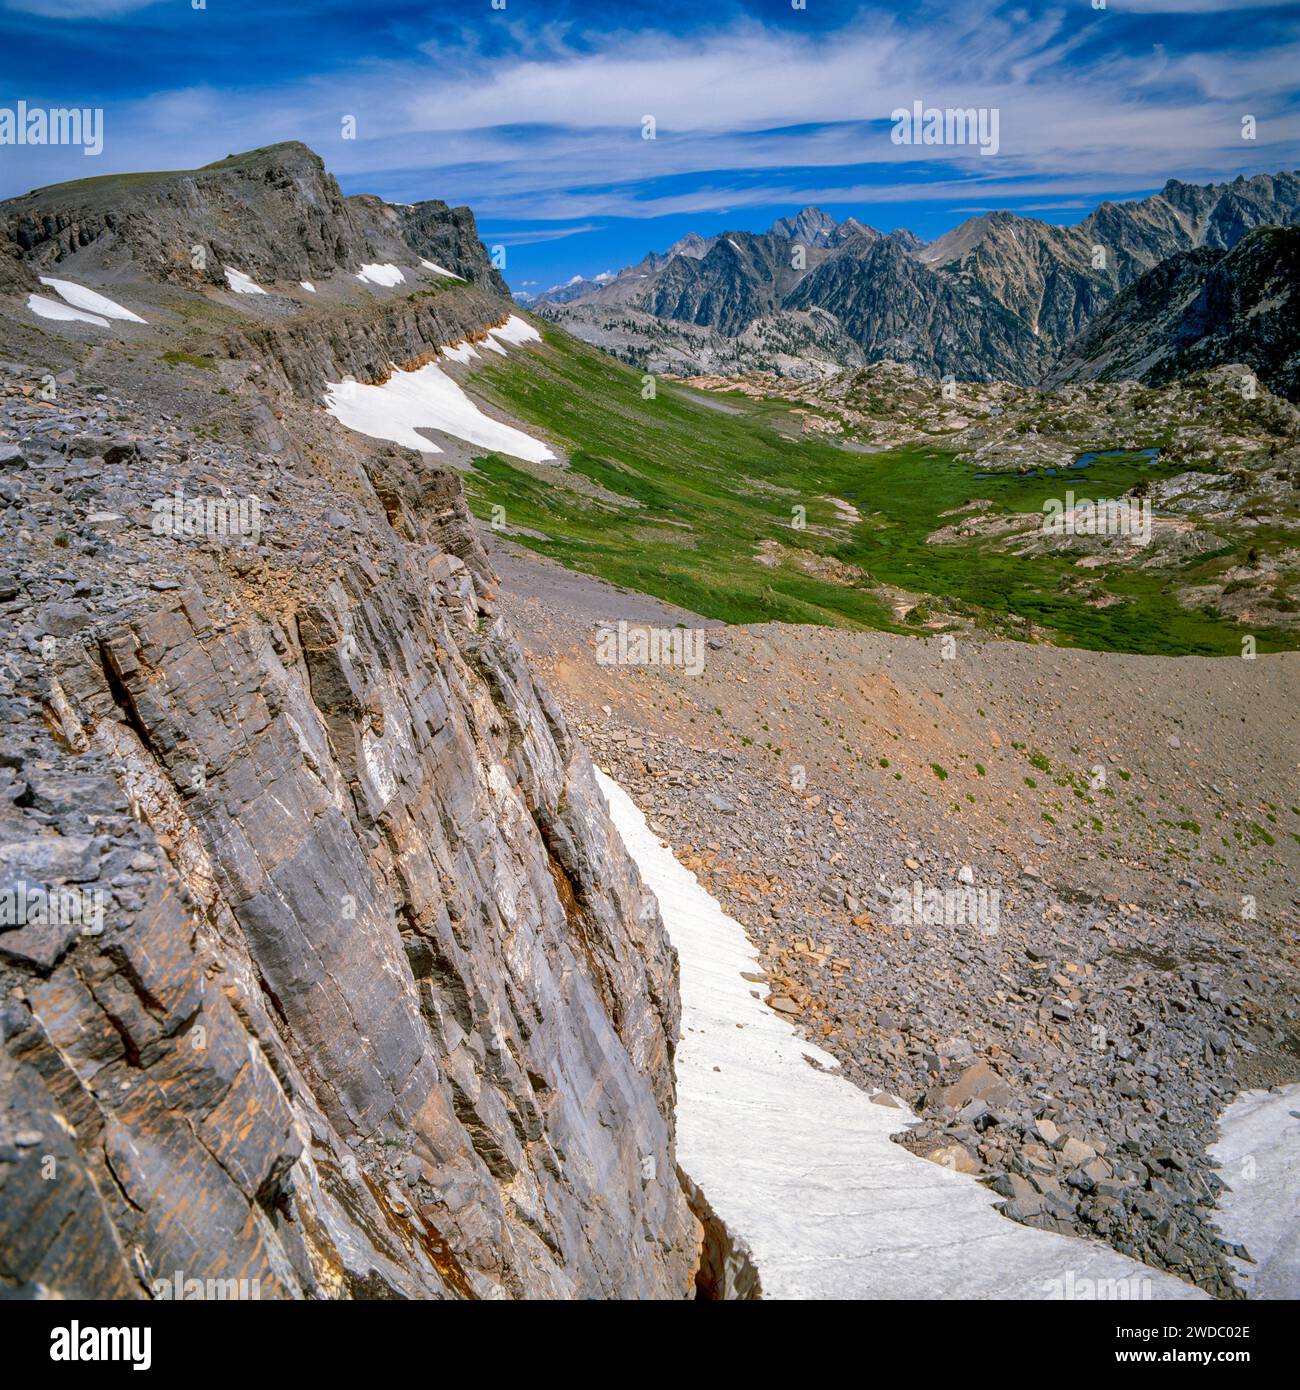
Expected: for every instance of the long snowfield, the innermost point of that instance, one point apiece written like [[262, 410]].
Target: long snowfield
[[798, 1163]]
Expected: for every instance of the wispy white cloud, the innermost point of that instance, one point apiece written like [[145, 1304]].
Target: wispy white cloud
[[534, 236], [554, 131], [76, 9]]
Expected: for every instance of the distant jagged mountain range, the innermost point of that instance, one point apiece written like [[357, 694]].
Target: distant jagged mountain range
[[998, 298]]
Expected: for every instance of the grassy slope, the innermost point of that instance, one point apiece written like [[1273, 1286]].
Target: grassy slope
[[696, 488]]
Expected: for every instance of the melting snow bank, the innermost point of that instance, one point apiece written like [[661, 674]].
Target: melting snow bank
[[81, 306], [441, 270], [797, 1164], [426, 398], [81, 298], [52, 309], [241, 283], [381, 275], [1259, 1150], [515, 330]]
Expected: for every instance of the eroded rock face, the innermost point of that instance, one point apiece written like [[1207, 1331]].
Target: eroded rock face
[[449, 237], [377, 1005]]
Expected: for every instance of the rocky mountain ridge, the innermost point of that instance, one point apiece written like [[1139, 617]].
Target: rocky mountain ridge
[[997, 298], [275, 213]]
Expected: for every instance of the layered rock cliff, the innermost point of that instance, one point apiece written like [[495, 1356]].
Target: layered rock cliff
[[378, 1005]]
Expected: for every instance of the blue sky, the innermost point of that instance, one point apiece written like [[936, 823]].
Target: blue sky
[[532, 113]]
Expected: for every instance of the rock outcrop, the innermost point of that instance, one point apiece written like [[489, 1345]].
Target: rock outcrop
[[449, 237], [371, 907], [302, 354]]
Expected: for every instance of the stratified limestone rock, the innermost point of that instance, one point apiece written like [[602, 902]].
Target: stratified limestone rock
[[372, 1001], [379, 1006]]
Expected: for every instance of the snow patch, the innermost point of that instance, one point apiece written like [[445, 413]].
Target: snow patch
[[460, 352], [441, 270], [381, 275], [426, 398], [516, 330], [308, 286], [81, 298], [241, 283], [1259, 1152], [797, 1162], [52, 309]]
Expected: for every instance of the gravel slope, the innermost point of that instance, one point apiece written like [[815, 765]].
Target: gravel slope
[[1074, 1043]]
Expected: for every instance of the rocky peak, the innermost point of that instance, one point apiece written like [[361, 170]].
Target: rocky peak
[[448, 237], [274, 212], [693, 245], [1201, 309], [851, 229], [1021, 288], [810, 225]]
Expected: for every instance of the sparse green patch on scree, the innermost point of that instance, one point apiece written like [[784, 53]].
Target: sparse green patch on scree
[[675, 496]]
